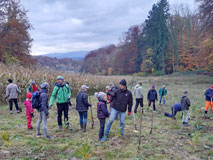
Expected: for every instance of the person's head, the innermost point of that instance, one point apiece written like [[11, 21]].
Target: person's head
[[60, 80], [33, 83], [100, 95], [29, 95], [123, 84], [84, 88], [163, 86], [10, 80], [211, 87], [185, 93], [140, 83], [153, 87], [111, 85], [107, 88], [45, 85]]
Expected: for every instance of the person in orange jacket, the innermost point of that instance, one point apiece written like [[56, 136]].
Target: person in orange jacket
[[209, 99]]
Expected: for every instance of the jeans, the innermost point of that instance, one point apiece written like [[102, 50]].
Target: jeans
[[15, 101], [42, 118], [83, 117], [102, 125], [63, 107], [153, 103], [114, 113], [164, 99], [138, 101], [185, 113]]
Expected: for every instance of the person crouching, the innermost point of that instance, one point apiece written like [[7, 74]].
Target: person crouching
[[102, 113]]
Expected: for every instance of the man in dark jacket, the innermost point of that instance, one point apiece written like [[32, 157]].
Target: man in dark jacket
[[152, 96], [175, 108], [43, 110], [209, 97], [82, 106], [121, 99], [185, 104]]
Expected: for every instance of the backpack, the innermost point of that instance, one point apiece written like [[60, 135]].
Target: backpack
[[36, 104]]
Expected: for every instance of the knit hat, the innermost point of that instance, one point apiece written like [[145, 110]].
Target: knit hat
[[60, 78], [10, 80], [153, 86], [211, 87], [100, 94], [83, 87], [185, 92], [29, 95], [33, 82], [44, 85], [123, 82], [163, 86], [107, 87]]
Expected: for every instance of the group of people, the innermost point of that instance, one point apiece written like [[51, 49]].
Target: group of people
[[120, 99]]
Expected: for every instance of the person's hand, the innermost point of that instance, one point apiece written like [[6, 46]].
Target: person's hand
[[129, 113], [50, 106], [32, 115]]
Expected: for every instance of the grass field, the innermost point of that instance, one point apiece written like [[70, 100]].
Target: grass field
[[169, 140]]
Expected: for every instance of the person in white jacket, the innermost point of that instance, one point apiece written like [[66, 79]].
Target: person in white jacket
[[138, 93], [12, 92]]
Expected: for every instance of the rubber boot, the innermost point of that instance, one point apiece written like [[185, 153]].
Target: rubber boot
[[84, 127], [81, 126], [60, 128]]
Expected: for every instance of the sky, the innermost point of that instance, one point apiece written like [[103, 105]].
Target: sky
[[62, 26]]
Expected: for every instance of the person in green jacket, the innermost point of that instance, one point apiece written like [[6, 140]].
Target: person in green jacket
[[162, 93], [62, 93]]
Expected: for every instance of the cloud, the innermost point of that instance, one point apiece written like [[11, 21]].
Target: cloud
[[73, 25]]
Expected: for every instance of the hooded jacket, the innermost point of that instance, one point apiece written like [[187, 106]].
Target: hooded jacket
[[62, 93], [12, 91], [138, 91], [44, 102], [208, 94], [82, 103], [29, 108], [185, 103], [122, 99]]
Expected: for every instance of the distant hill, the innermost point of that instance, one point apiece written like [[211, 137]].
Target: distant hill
[[78, 55]]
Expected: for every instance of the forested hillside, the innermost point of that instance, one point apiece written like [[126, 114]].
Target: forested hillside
[[171, 39]]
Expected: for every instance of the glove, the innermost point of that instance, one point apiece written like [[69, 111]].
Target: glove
[[32, 115], [129, 113]]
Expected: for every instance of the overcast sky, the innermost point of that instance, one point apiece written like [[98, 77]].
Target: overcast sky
[[83, 25]]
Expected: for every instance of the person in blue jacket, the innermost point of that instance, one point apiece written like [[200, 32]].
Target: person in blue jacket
[[175, 108]]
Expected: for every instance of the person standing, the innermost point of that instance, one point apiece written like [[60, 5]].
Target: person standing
[[122, 99], [185, 104], [162, 93], [209, 99], [29, 110], [43, 110], [62, 93], [152, 96], [138, 92], [32, 88], [102, 113], [12, 92], [82, 106]]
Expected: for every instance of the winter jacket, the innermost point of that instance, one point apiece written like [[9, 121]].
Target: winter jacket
[[185, 103], [29, 108], [176, 107], [62, 93], [152, 95], [208, 94], [82, 103], [138, 92], [44, 102], [32, 88], [162, 92], [111, 92], [102, 112], [12, 91], [122, 99]]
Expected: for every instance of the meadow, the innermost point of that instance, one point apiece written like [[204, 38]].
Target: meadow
[[169, 140]]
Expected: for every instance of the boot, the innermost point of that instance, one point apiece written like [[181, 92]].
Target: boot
[[84, 127], [81, 126], [60, 128]]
